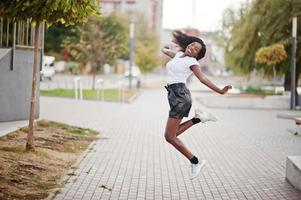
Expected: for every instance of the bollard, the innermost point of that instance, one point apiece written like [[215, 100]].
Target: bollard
[[99, 86], [120, 91], [138, 86], [78, 88], [80, 91]]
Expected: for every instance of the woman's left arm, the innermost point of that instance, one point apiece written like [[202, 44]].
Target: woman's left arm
[[197, 72]]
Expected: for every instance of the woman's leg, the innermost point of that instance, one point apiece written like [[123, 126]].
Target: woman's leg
[[184, 126], [172, 128]]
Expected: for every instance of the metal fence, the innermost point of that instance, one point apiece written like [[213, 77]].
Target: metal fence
[[19, 34], [16, 33]]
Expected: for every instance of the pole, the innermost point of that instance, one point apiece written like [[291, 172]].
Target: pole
[[293, 64], [132, 35]]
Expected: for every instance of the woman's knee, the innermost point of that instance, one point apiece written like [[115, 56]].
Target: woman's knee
[[169, 138]]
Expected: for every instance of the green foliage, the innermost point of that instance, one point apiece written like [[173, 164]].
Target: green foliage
[[54, 37], [101, 40], [64, 11], [271, 55], [147, 53], [258, 24], [109, 94], [259, 90], [147, 47], [52, 11]]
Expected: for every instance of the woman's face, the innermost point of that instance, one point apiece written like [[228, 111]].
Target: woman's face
[[193, 49]]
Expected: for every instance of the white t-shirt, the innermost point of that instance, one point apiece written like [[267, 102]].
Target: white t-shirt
[[178, 68]]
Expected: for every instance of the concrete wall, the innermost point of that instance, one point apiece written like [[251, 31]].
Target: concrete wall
[[15, 85], [293, 171]]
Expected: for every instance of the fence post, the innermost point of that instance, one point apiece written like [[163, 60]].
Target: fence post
[[13, 48], [32, 30], [27, 31], [1, 32], [7, 32]]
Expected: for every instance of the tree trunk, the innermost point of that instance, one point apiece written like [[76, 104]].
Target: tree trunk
[[274, 78], [287, 81], [30, 138]]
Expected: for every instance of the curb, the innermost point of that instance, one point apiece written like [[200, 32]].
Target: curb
[[289, 115], [72, 169]]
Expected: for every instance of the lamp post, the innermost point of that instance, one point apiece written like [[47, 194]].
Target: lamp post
[[131, 49], [293, 64]]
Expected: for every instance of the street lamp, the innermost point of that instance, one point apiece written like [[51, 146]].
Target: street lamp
[[293, 64], [131, 49]]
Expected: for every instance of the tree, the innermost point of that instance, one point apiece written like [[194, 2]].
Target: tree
[[147, 43], [258, 24], [51, 11], [147, 49], [271, 56], [54, 37], [101, 40], [147, 46]]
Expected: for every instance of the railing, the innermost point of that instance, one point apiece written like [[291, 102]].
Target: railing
[[19, 34]]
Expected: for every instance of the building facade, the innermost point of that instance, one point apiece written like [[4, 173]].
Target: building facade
[[150, 9]]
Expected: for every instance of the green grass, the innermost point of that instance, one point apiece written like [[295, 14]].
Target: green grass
[[259, 90], [82, 132], [109, 94]]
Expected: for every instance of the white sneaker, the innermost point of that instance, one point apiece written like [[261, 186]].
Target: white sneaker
[[196, 168], [204, 116]]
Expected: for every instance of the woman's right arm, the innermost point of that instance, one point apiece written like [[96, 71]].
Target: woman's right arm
[[167, 51]]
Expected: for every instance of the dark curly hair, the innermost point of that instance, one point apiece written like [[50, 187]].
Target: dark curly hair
[[184, 40]]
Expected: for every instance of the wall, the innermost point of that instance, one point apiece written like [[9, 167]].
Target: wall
[[15, 85]]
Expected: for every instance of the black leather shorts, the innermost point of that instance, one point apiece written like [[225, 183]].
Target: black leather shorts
[[179, 99]]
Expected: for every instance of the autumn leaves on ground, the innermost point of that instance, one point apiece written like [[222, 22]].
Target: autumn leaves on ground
[[33, 175]]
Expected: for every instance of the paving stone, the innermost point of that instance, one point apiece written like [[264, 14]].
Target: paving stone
[[246, 152]]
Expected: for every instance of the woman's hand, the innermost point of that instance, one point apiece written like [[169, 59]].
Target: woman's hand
[[168, 51], [225, 89]]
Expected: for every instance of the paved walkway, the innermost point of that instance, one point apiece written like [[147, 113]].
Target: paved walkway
[[245, 150]]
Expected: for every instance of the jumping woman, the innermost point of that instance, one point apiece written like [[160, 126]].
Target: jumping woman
[[182, 64]]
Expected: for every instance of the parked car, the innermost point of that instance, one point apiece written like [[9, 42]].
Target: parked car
[[135, 72], [48, 70]]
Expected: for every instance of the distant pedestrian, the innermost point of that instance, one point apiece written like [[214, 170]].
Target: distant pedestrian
[[179, 68]]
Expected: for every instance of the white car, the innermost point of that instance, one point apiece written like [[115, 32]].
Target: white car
[[48, 70], [135, 72]]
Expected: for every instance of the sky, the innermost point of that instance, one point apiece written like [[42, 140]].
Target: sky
[[208, 13]]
